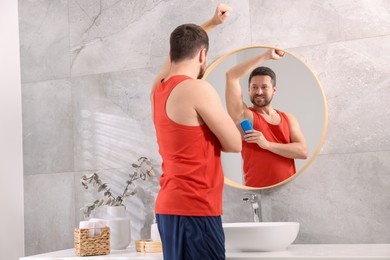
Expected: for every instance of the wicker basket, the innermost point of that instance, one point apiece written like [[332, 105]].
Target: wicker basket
[[86, 244], [148, 246]]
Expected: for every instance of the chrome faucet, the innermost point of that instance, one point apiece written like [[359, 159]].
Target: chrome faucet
[[256, 209]]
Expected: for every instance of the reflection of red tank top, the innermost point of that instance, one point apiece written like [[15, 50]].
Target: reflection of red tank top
[[192, 179], [261, 167]]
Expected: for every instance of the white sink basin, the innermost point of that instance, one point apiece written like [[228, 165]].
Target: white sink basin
[[259, 236]]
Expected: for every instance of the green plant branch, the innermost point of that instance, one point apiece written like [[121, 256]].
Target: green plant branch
[[111, 200]]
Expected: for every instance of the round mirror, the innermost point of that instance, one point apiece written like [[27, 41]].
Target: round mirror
[[298, 93]]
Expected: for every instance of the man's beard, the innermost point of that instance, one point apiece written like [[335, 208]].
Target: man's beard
[[202, 70], [262, 103]]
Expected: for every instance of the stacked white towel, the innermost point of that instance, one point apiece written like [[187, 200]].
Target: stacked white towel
[[94, 225]]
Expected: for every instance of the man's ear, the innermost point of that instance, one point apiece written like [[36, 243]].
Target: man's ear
[[202, 55]]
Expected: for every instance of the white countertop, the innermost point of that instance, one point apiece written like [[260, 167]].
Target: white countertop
[[298, 251]]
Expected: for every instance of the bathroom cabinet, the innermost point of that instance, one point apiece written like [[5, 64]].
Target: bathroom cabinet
[[296, 251]]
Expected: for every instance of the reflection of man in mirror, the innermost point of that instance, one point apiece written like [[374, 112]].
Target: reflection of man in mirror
[[192, 128], [269, 150]]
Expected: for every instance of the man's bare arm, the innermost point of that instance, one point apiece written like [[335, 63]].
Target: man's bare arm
[[220, 15], [209, 106], [296, 149], [236, 107]]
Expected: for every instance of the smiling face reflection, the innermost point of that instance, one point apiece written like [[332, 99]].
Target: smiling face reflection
[[262, 87], [261, 91]]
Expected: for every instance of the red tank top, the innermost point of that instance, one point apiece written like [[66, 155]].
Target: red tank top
[[192, 180], [263, 168]]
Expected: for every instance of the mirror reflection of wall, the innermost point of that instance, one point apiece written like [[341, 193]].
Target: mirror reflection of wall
[[298, 92]]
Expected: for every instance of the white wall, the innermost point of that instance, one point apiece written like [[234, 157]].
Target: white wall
[[11, 156]]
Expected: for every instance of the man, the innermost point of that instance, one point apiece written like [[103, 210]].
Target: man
[[269, 150], [192, 128]]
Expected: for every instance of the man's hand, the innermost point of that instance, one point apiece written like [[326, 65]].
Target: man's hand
[[221, 13], [256, 137], [274, 54]]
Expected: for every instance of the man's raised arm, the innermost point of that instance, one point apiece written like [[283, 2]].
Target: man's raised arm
[[236, 107], [220, 15]]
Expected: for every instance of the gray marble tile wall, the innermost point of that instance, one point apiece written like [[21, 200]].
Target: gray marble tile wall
[[87, 67]]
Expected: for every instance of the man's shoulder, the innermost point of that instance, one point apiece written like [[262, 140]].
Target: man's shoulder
[[287, 114], [290, 118], [197, 86], [197, 83]]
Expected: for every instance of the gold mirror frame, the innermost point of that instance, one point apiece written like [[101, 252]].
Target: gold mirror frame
[[323, 131]]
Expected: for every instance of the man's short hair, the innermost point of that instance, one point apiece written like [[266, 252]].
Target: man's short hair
[[186, 40], [263, 71]]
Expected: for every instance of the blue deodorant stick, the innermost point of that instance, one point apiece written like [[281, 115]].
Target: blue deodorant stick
[[246, 125]]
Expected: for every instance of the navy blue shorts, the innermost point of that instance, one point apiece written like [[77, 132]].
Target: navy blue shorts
[[191, 238]]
